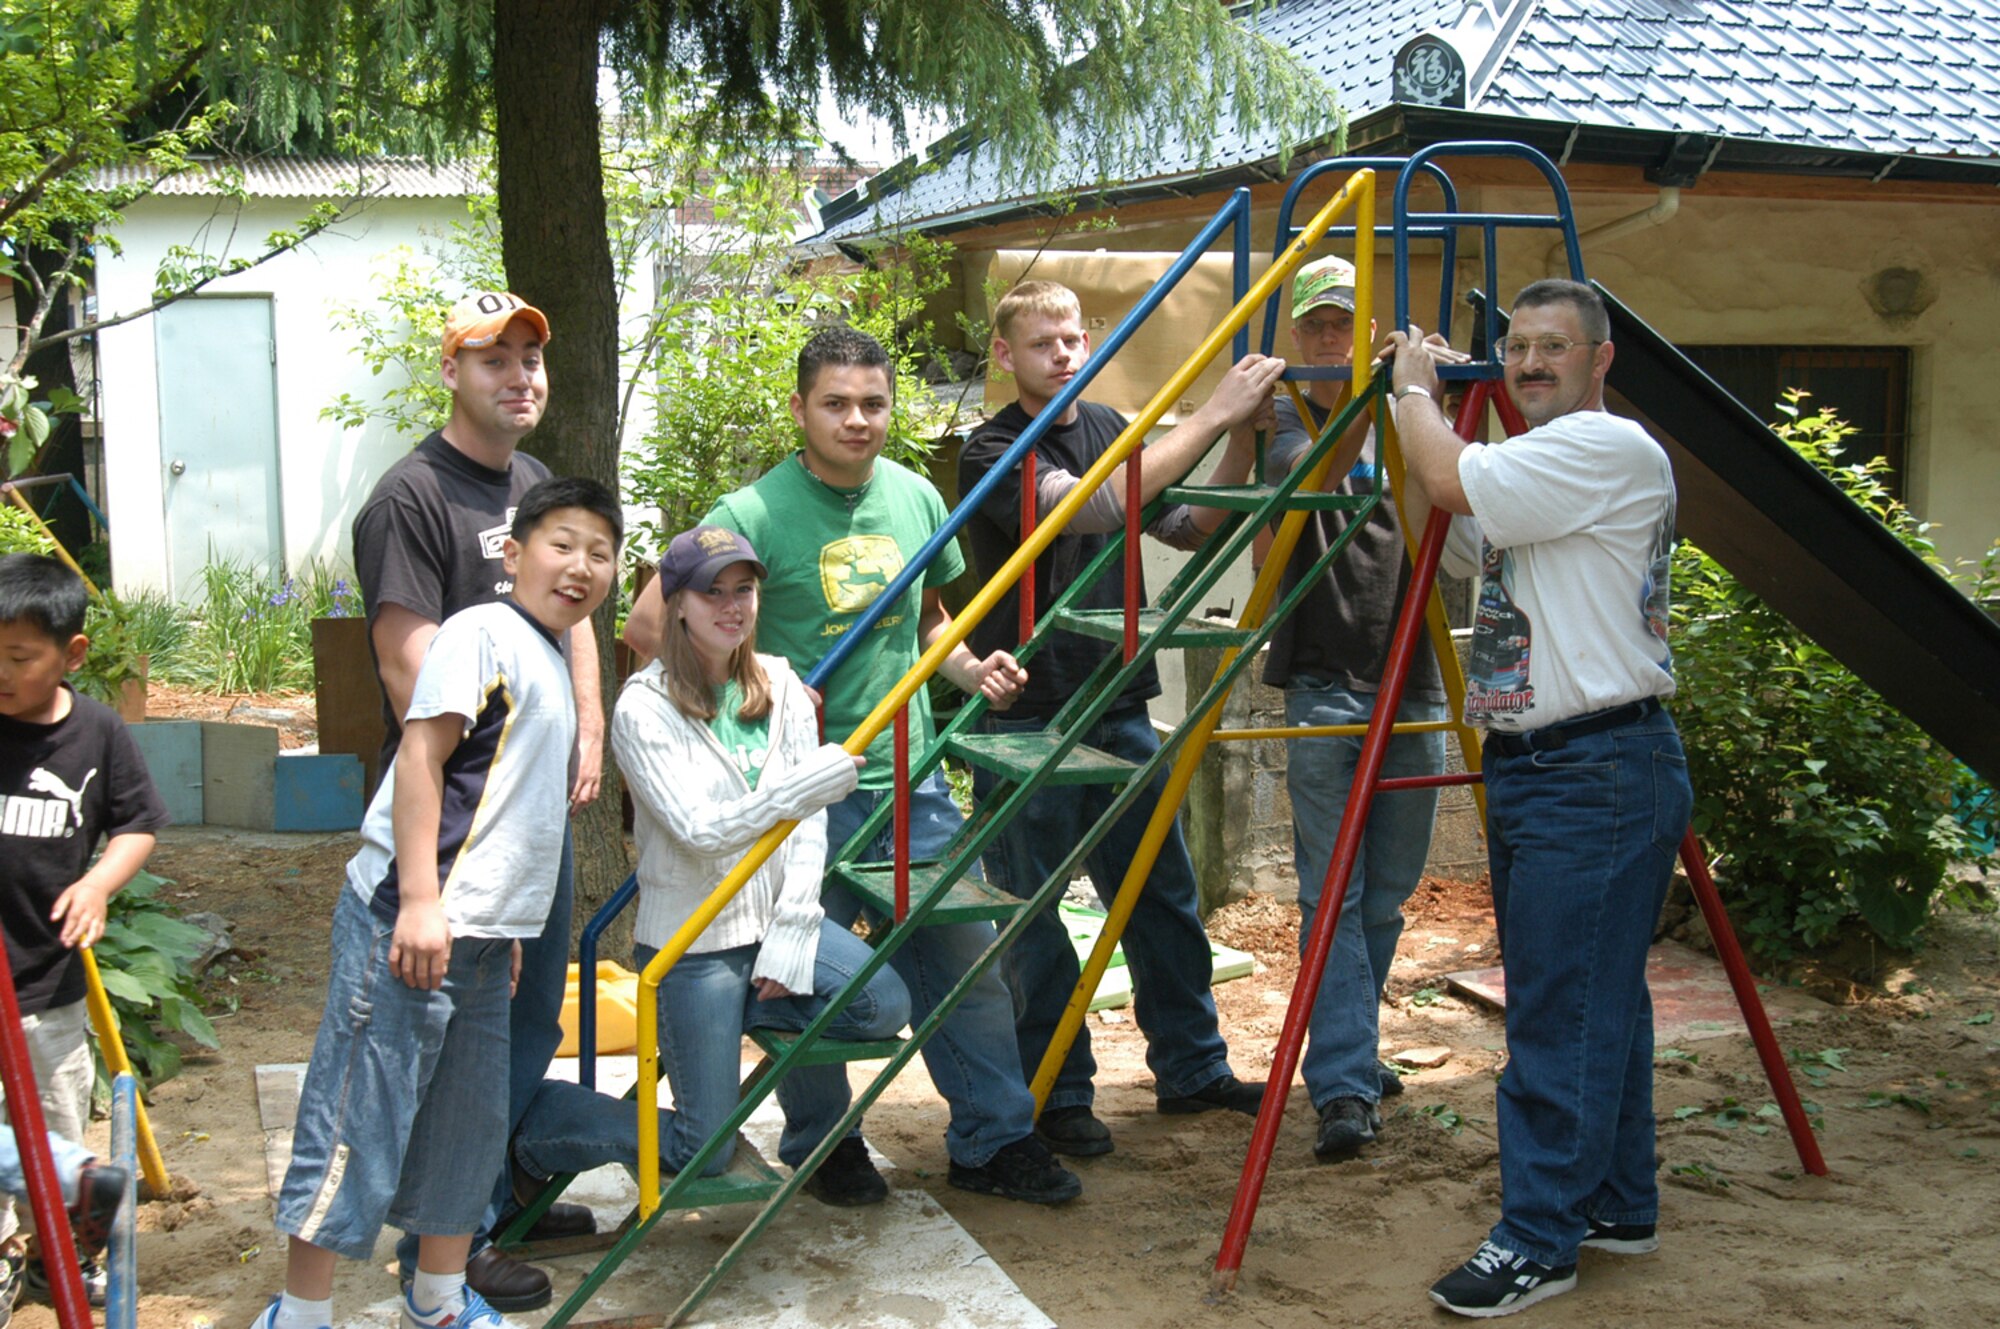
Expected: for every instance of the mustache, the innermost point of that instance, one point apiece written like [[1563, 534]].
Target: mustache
[[1536, 378]]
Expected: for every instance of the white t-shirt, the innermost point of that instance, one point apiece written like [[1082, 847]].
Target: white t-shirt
[[1572, 526], [506, 785]]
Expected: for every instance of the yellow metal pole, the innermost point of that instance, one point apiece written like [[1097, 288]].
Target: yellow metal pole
[[112, 1043], [1360, 192]]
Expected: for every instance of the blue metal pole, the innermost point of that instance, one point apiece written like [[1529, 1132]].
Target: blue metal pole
[[1227, 215], [586, 986], [121, 1298], [1404, 219]]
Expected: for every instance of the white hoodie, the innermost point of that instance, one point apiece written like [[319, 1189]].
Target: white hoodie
[[695, 814]]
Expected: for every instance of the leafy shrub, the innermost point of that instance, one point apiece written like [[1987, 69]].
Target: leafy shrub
[[1824, 802], [22, 534], [146, 958]]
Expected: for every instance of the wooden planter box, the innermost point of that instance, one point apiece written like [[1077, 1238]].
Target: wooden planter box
[[347, 695]]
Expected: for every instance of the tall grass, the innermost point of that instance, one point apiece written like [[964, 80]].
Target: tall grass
[[253, 632]]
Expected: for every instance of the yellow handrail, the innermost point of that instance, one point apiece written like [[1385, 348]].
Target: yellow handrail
[[112, 1044], [1358, 192]]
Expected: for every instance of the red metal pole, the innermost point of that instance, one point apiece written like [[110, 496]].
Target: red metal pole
[[1134, 584], [1410, 628], [1745, 987], [902, 813], [1029, 513], [31, 1133], [1396, 782]]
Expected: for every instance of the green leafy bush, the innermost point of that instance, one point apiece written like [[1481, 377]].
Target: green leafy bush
[[1824, 803], [146, 958], [22, 534], [254, 633]]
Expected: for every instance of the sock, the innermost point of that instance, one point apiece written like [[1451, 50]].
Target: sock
[[298, 1313], [436, 1292]]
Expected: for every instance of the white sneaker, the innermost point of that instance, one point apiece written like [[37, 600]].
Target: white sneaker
[[474, 1314], [268, 1319]]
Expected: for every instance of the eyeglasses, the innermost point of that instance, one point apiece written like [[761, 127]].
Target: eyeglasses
[[1552, 346]]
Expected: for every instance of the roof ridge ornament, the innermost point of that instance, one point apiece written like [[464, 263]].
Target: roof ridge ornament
[[1432, 67]]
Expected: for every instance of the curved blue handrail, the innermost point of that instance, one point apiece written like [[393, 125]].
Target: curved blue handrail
[[586, 997]]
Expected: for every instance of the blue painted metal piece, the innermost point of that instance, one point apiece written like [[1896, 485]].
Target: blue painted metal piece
[[586, 993], [317, 792], [1236, 212], [121, 1296]]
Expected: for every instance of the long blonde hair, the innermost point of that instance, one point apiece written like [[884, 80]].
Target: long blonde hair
[[687, 674]]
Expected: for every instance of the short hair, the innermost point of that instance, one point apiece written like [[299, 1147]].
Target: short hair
[[1051, 299], [1589, 305], [39, 590], [567, 491], [839, 345]]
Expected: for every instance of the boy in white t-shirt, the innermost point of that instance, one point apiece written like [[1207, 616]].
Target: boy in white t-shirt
[[404, 1105]]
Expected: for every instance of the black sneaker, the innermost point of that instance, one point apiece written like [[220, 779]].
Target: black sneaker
[[1496, 1281], [848, 1179], [1391, 1082], [1074, 1131], [10, 1284], [1345, 1124], [1227, 1092], [96, 1280], [1623, 1238], [100, 1191], [1023, 1170]]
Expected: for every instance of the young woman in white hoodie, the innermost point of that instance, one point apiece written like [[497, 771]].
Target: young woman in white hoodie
[[718, 745]]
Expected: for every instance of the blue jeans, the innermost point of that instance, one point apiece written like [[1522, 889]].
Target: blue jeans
[[534, 1032], [1166, 948], [1341, 1051], [398, 1121], [706, 1002], [1582, 842], [971, 1058], [68, 1157]]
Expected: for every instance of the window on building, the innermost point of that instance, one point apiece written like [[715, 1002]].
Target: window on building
[[1867, 386]]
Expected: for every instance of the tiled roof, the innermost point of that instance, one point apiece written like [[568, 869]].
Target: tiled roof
[[307, 177], [1919, 78]]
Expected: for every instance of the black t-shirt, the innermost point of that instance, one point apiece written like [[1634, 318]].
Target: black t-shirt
[[1067, 660], [430, 538], [63, 786], [1340, 632]]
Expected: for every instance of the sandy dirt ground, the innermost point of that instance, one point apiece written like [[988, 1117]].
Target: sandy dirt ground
[[1906, 1083]]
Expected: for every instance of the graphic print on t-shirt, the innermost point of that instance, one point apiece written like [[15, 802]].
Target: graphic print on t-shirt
[[46, 818], [493, 548], [855, 570], [1502, 640]]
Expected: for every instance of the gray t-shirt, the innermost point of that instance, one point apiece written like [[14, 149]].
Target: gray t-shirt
[[1340, 632]]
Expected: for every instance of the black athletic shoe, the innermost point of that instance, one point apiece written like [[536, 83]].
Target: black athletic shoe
[[1623, 1238], [1227, 1092], [1392, 1083], [1499, 1282], [1075, 1131], [100, 1191], [1345, 1124], [1023, 1170], [848, 1179]]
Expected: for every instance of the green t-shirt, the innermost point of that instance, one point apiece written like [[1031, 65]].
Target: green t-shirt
[[748, 742], [830, 554]]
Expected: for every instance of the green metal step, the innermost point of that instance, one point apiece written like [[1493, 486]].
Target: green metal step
[[1109, 625], [1249, 498], [826, 1051], [747, 1180], [968, 901], [1017, 756]]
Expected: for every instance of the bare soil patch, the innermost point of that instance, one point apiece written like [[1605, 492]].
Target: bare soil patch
[[1905, 1232]]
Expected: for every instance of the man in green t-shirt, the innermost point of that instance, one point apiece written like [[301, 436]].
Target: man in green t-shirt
[[834, 524]]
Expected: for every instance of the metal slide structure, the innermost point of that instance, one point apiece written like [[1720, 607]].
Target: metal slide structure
[[915, 895]]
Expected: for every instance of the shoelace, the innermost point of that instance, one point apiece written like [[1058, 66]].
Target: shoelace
[[1491, 1259]]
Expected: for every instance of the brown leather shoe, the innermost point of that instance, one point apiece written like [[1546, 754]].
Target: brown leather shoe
[[563, 1220], [507, 1283]]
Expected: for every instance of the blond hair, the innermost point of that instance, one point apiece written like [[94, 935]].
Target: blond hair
[[1047, 298], [687, 676]]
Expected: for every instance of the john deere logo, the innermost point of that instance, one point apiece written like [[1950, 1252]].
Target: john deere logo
[[854, 571], [1430, 72]]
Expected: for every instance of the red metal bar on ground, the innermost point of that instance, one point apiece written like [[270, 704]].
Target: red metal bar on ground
[[31, 1133], [1135, 585], [1029, 511], [1396, 782], [902, 741], [1410, 627], [1745, 987]]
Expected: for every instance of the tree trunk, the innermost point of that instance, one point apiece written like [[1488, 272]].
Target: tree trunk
[[558, 258]]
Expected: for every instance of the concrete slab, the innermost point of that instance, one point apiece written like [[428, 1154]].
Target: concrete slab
[[171, 750], [238, 763], [903, 1264], [1692, 998]]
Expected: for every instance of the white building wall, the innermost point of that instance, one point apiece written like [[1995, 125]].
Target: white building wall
[[325, 471]]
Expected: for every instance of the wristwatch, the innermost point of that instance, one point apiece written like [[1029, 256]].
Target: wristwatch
[[1414, 390]]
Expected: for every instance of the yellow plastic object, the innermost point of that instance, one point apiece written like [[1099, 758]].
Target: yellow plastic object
[[112, 1044], [617, 1010]]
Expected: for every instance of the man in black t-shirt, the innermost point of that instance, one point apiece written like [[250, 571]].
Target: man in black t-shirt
[[428, 543], [1039, 338]]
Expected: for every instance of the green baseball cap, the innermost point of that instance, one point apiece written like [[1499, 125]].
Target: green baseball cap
[[1324, 281]]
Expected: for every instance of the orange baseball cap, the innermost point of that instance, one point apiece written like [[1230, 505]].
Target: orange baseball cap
[[480, 317]]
